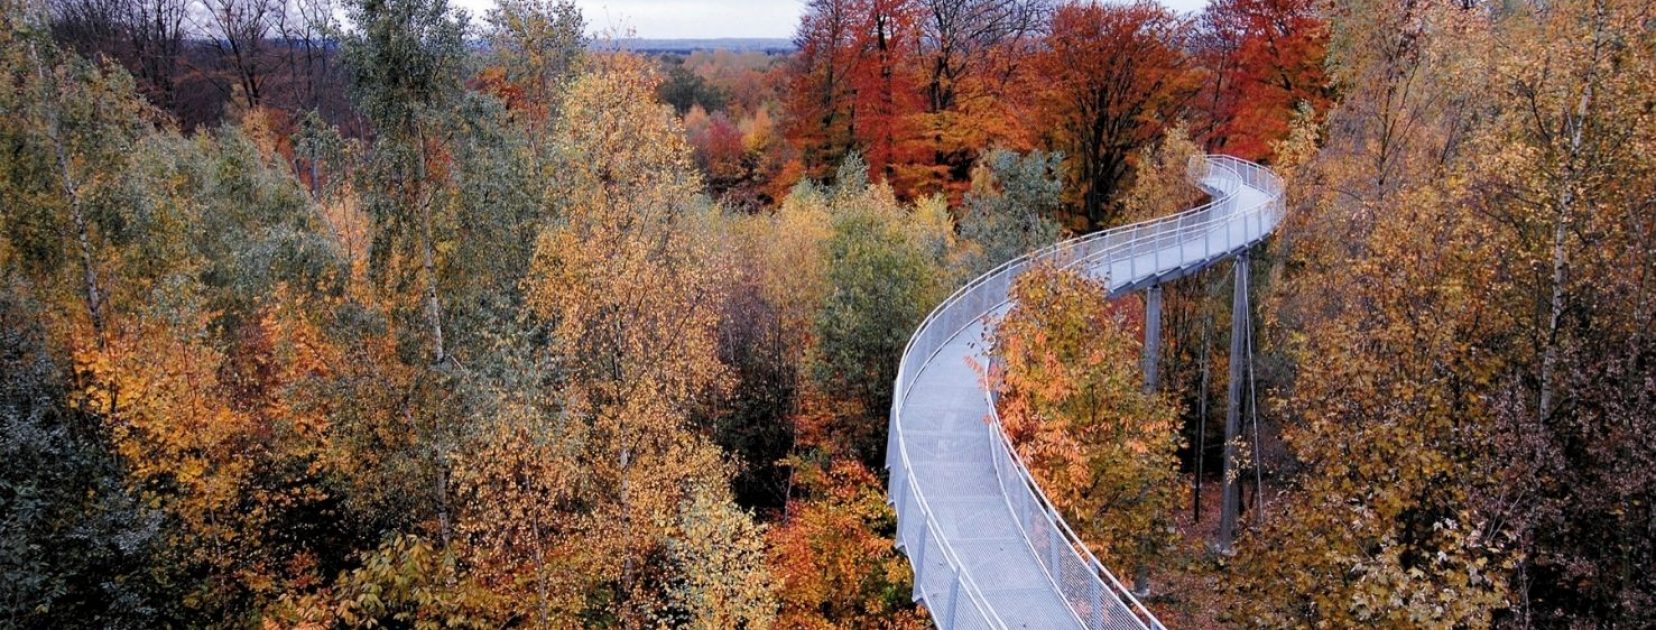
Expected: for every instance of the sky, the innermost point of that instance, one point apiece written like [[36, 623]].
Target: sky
[[705, 19]]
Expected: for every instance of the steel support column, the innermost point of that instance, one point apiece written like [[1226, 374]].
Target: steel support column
[[1152, 358], [1230, 499], [1152, 335]]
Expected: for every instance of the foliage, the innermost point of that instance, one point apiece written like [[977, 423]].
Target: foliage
[[406, 57], [834, 556], [634, 299], [1108, 77], [1432, 276], [540, 45], [685, 90], [405, 582], [78, 547], [213, 444], [1073, 405], [718, 555], [881, 276], [1161, 182], [1264, 61], [1012, 207]]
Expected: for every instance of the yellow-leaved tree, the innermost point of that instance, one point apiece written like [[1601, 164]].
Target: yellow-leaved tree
[[632, 298], [1389, 522]]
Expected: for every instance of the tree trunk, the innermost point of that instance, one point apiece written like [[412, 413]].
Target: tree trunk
[[1152, 352], [1560, 254], [71, 193], [428, 263]]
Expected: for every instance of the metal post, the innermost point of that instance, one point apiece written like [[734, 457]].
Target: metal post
[[1233, 409], [919, 555], [1152, 335], [1152, 355]]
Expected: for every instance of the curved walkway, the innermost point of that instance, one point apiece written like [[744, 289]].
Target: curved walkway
[[987, 548]]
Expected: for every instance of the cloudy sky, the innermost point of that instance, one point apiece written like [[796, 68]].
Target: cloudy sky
[[676, 19]]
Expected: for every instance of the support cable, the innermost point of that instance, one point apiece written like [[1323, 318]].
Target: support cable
[[1253, 402], [1202, 422]]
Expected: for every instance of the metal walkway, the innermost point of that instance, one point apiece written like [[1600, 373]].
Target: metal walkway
[[988, 549]]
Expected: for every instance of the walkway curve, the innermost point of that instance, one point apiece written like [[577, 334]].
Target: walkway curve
[[988, 549]]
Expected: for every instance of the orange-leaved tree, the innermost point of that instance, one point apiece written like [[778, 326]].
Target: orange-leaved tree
[[1109, 77], [631, 288], [834, 554], [1262, 61]]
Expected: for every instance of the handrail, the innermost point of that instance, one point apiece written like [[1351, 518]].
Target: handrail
[[1224, 177]]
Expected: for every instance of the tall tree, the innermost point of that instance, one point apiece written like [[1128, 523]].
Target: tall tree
[[882, 274], [633, 291], [1556, 166], [1109, 76], [406, 59], [1012, 207], [242, 32], [972, 56], [540, 44], [820, 95], [1262, 61]]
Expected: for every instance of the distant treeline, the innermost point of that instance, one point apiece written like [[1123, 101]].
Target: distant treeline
[[767, 45]]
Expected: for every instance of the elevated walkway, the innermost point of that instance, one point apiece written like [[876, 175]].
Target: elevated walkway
[[988, 549]]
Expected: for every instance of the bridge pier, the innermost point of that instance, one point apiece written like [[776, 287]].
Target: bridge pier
[[1230, 499], [1150, 362], [1152, 335]]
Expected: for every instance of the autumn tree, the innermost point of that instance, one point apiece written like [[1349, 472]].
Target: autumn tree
[[540, 46], [406, 59], [960, 40], [1109, 77], [405, 581], [1012, 207], [73, 125], [766, 334], [634, 298], [820, 93], [1424, 276], [972, 55], [835, 558], [717, 561], [853, 83], [882, 274], [1556, 166], [1389, 502], [1073, 405], [1161, 183], [1261, 60]]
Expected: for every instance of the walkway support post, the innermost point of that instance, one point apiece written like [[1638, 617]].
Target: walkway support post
[[1152, 335], [1152, 357], [1230, 499]]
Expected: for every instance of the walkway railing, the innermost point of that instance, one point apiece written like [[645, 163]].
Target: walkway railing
[[1246, 205]]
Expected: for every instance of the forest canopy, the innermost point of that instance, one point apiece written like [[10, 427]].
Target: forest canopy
[[357, 313]]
